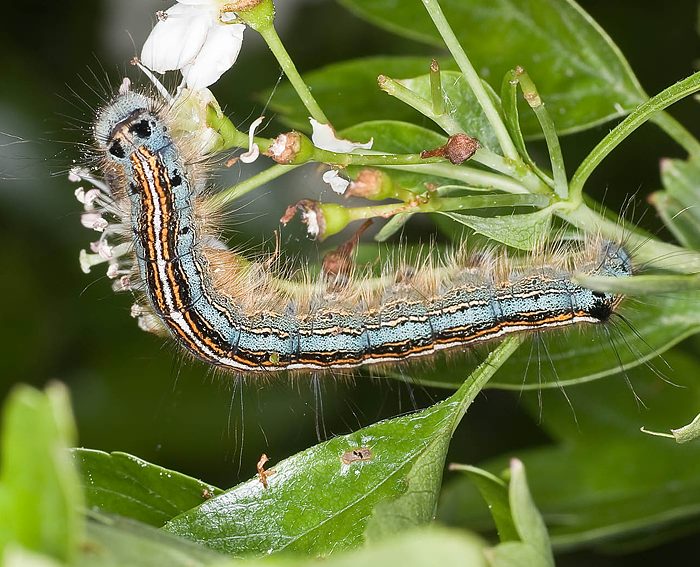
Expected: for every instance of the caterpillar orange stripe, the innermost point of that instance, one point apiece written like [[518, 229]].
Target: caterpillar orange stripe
[[234, 315]]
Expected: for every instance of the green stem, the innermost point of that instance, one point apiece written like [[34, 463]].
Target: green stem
[[435, 204], [641, 285], [392, 226], [468, 175], [656, 433], [509, 103], [678, 132], [561, 186], [223, 198], [333, 158], [468, 391], [512, 167], [394, 88], [470, 75], [639, 116], [232, 137], [646, 250], [273, 41], [436, 88]]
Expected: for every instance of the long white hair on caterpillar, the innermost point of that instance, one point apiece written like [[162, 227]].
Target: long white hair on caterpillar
[[161, 241]]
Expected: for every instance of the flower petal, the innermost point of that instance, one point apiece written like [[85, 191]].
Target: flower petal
[[217, 55], [323, 136], [253, 150], [176, 41], [338, 184]]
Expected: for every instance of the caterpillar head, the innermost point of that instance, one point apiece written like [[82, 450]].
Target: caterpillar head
[[128, 122]]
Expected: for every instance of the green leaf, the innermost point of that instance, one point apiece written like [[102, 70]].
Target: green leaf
[[350, 93], [495, 492], [511, 116], [523, 535], [118, 483], [461, 103], [393, 136], [523, 231], [314, 502], [514, 554], [323, 499], [605, 480], [688, 432], [682, 434], [679, 204], [15, 556], [526, 517], [113, 541], [40, 494], [581, 74], [415, 548], [641, 114], [417, 505]]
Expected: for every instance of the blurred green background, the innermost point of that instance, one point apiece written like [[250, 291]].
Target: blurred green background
[[133, 392]]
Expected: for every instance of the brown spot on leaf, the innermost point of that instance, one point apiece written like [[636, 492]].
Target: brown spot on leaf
[[355, 455]]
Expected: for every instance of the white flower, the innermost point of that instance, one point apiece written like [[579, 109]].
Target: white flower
[[193, 36], [338, 184], [323, 136]]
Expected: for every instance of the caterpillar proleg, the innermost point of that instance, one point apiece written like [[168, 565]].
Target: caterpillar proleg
[[234, 315]]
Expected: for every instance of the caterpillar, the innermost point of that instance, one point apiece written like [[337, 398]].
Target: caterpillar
[[236, 315]]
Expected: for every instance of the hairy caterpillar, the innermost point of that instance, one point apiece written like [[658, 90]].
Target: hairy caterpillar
[[236, 315]]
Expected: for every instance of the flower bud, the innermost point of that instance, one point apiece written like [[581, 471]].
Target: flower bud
[[291, 148], [321, 219], [458, 149], [372, 184], [190, 120], [258, 14]]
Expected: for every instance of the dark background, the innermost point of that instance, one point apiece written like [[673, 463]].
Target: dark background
[[132, 391]]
